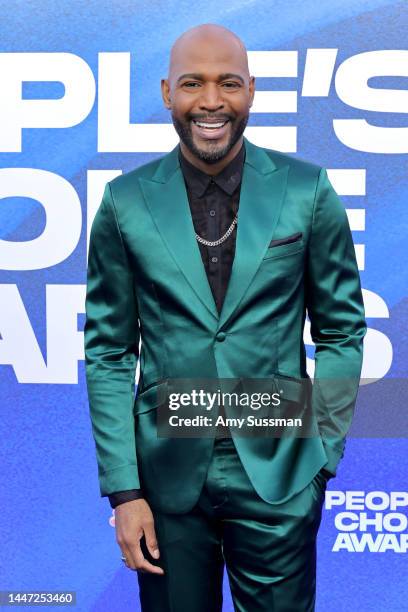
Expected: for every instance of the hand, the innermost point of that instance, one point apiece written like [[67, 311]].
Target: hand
[[133, 520]]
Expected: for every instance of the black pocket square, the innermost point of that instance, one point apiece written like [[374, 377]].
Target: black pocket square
[[287, 240]]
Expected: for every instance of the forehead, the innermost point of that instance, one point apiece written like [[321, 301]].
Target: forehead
[[209, 58]]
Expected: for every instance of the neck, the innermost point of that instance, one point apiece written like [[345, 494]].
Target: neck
[[211, 169]]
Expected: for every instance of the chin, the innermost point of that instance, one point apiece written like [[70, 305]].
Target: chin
[[213, 152]]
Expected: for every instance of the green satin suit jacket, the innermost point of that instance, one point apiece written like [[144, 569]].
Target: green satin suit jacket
[[146, 281]]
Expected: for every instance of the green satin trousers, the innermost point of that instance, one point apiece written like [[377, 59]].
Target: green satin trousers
[[269, 551]]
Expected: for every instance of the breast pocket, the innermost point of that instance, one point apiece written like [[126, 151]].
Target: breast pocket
[[282, 250]]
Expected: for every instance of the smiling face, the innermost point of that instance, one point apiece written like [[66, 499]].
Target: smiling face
[[209, 92]]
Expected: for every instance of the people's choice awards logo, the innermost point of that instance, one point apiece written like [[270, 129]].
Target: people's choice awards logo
[[374, 521]]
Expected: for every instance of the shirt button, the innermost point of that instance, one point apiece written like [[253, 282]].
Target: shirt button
[[212, 212], [220, 337], [214, 259]]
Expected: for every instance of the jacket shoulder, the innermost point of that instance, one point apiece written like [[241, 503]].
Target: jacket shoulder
[[299, 167], [127, 184]]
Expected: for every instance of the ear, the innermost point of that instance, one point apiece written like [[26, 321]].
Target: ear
[[251, 90], [165, 90]]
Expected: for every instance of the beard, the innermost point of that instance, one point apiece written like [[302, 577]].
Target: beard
[[215, 152]]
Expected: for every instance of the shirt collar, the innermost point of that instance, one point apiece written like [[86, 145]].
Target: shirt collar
[[228, 179]]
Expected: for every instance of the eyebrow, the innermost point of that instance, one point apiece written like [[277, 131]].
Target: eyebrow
[[200, 77]]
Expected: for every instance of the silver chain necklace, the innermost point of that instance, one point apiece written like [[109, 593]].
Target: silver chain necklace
[[223, 238]]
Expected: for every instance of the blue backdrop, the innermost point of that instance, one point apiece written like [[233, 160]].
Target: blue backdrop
[[344, 71]]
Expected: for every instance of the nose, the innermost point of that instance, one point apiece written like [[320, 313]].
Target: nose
[[211, 98]]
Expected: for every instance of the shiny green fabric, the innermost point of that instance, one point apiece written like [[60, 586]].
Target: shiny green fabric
[[146, 280], [269, 549]]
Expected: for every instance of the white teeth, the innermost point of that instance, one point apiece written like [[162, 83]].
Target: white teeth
[[210, 125]]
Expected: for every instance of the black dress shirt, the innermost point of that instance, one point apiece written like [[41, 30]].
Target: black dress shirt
[[214, 202]]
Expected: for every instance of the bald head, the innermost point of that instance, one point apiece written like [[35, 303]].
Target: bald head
[[210, 42]]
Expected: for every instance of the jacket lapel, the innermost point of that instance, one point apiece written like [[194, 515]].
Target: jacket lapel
[[167, 200], [262, 193]]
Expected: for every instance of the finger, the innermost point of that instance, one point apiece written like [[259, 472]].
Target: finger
[[148, 567], [126, 552], [141, 563], [151, 540]]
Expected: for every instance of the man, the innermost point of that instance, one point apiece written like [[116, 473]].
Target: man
[[211, 255]]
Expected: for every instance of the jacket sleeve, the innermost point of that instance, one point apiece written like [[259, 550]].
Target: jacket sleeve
[[335, 308], [111, 338]]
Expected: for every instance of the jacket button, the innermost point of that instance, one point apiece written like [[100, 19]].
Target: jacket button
[[220, 337]]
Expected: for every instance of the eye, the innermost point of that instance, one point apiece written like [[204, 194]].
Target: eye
[[231, 85], [190, 84]]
